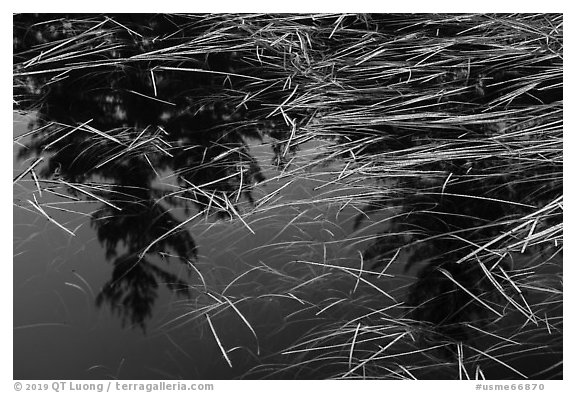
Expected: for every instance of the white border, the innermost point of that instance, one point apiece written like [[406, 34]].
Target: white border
[[295, 6]]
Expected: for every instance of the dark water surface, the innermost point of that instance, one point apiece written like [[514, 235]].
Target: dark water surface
[[171, 223], [59, 332]]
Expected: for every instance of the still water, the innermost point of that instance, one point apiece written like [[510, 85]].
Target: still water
[[175, 224], [58, 279], [60, 333]]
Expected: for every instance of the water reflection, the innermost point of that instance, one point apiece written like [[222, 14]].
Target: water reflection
[[140, 140], [450, 217], [159, 146], [136, 221]]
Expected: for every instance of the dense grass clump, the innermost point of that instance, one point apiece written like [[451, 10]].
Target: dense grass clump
[[441, 133]]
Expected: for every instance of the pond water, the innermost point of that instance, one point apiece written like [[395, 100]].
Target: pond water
[[60, 333], [176, 218]]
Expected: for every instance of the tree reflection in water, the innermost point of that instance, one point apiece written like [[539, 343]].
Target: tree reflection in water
[[441, 230], [118, 127], [113, 109]]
